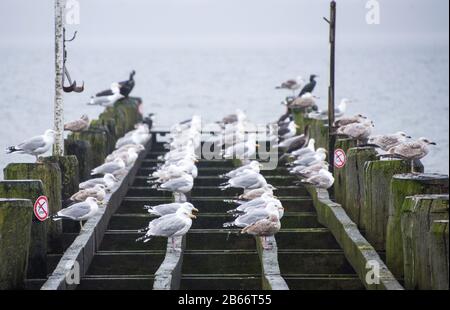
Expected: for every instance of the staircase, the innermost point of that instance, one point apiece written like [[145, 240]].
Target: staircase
[[218, 258]]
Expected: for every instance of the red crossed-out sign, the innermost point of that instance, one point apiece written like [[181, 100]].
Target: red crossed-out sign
[[41, 208], [340, 158]]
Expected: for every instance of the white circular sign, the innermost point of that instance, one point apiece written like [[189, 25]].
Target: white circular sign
[[41, 208], [340, 158]]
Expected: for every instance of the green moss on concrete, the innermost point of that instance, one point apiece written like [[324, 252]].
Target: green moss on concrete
[[30, 189], [15, 229], [50, 175], [403, 186]]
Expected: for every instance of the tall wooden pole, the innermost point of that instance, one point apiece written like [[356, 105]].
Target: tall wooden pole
[[58, 147], [331, 89]]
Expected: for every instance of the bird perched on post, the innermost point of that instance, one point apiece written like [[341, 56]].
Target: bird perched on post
[[309, 88], [78, 125], [293, 84], [386, 142], [411, 151], [34, 146], [107, 100], [359, 131], [125, 87]]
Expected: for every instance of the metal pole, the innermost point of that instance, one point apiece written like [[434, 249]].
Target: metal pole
[[331, 90], [58, 147]]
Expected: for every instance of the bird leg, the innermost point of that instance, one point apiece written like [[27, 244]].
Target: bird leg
[[412, 167], [81, 225]]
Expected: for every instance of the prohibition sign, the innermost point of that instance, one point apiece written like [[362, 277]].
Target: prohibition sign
[[41, 208], [340, 158]]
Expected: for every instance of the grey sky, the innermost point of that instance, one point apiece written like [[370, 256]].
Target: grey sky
[[225, 22]]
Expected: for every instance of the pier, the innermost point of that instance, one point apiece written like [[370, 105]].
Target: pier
[[376, 214]]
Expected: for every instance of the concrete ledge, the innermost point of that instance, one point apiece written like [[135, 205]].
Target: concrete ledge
[[83, 248], [356, 248], [271, 275], [168, 275]]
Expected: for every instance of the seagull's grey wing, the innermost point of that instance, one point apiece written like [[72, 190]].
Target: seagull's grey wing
[[175, 183], [75, 211], [32, 144], [252, 217], [166, 226], [410, 150], [245, 180], [168, 208]]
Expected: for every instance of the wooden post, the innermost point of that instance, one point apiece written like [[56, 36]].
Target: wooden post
[[15, 229], [402, 186], [31, 189], [354, 203], [331, 90], [83, 152], [377, 185], [418, 213], [340, 173], [438, 240], [58, 147], [50, 175], [69, 174]]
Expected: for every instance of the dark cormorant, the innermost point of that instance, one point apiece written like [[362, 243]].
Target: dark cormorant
[[125, 87], [309, 88]]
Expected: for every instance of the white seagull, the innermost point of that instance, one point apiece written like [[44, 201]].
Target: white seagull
[[34, 146]]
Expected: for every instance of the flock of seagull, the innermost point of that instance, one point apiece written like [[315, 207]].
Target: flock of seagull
[[359, 127]]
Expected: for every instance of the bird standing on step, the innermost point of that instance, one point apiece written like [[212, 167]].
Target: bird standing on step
[[170, 225], [98, 192], [323, 180], [80, 211], [34, 146], [110, 167], [170, 208], [108, 180], [264, 228], [257, 192], [247, 180]]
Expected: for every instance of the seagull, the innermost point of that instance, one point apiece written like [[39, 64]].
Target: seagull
[[293, 84], [309, 149], [169, 208], [129, 157], [80, 211], [412, 150], [309, 171], [358, 131], [257, 192], [242, 150], [274, 208], [359, 118], [309, 88], [246, 206], [288, 132], [308, 159], [324, 179], [107, 100], [34, 146], [339, 111], [78, 125], [181, 184], [170, 225], [305, 101], [110, 167], [253, 165], [125, 87], [136, 137], [108, 180], [98, 192], [247, 180], [386, 142], [268, 226]]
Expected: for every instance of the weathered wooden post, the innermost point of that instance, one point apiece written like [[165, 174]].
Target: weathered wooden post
[[69, 173], [438, 240], [83, 152], [402, 186], [50, 175], [354, 183], [418, 213], [32, 190], [377, 185], [98, 141], [15, 229], [340, 169]]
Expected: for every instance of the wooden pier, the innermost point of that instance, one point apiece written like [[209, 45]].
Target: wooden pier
[[328, 240]]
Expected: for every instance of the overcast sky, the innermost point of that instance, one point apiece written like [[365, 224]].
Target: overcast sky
[[225, 22]]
